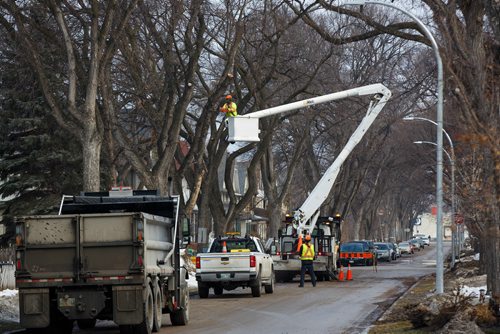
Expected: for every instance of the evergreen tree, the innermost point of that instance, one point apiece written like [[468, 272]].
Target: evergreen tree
[[38, 161]]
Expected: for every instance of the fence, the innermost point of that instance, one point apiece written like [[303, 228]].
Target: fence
[[7, 280]]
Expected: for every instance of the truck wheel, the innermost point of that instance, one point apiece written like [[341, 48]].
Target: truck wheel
[[158, 305], [218, 290], [146, 326], [181, 317], [203, 290], [86, 323], [270, 288], [256, 287]]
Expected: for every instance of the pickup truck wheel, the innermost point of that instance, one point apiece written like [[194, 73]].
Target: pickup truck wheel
[[218, 290], [256, 287], [146, 326], [270, 288], [86, 323], [181, 317], [203, 290], [158, 305]]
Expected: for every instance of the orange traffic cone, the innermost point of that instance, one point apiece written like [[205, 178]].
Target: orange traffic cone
[[349, 273], [224, 248], [341, 274]]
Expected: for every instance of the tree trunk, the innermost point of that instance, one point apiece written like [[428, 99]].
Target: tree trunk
[[275, 218], [91, 160], [492, 262]]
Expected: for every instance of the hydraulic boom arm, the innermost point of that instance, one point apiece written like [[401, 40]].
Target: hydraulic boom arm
[[245, 128]]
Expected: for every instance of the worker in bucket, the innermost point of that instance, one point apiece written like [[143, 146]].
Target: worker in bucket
[[230, 108], [307, 254]]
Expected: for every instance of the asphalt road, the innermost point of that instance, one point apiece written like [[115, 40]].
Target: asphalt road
[[330, 307]]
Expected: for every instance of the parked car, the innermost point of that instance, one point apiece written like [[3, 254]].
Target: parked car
[[397, 251], [417, 244], [405, 247], [384, 252]]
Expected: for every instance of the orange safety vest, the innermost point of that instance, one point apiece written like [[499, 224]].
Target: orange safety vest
[[307, 252]]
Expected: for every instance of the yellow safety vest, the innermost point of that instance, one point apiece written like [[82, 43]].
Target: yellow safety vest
[[307, 252], [232, 109]]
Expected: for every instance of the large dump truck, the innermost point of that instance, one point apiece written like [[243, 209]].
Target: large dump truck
[[112, 256]]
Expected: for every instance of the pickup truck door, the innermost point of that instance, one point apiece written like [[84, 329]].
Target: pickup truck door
[[266, 261]]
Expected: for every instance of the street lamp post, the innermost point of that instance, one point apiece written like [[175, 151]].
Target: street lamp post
[[439, 135], [454, 233]]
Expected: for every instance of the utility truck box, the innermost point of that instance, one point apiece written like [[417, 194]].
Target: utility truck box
[[105, 256]]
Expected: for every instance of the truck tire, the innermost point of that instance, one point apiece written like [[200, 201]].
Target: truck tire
[[158, 305], [256, 287], [218, 290], [146, 326], [270, 288], [181, 317], [203, 290], [86, 323]]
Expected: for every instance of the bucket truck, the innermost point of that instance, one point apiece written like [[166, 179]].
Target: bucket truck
[[305, 219]]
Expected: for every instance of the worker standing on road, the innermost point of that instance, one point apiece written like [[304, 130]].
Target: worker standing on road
[[230, 108], [307, 257]]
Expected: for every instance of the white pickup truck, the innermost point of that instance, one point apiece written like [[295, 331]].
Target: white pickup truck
[[233, 262]]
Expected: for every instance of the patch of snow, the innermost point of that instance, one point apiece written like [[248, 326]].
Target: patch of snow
[[9, 305], [471, 291], [476, 257], [8, 293]]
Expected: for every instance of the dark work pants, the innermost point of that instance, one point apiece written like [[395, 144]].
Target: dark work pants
[[307, 265]]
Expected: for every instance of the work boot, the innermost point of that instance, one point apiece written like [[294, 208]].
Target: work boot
[[301, 286]]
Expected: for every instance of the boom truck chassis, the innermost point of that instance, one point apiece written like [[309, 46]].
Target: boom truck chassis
[[324, 237], [112, 256], [305, 218]]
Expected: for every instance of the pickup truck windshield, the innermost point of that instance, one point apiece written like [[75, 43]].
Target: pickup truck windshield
[[233, 244]]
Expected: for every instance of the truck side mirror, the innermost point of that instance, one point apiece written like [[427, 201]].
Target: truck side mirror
[[273, 250]]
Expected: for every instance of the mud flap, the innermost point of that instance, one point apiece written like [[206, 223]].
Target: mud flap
[[127, 305], [34, 308]]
